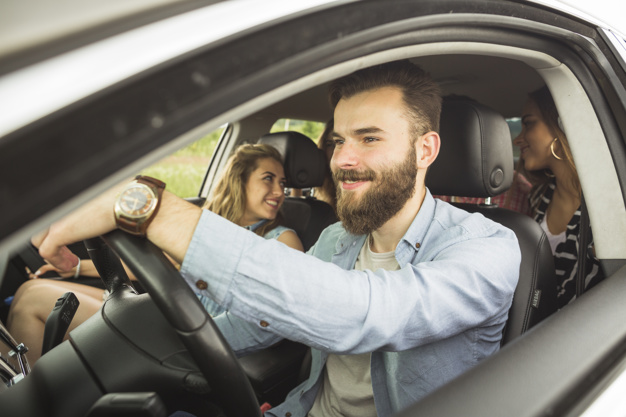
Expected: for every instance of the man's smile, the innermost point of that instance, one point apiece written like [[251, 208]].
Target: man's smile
[[352, 184]]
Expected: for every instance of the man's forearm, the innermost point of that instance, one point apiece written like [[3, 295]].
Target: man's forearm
[[174, 225], [171, 229]]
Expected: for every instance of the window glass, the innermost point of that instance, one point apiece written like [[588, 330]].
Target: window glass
[[184, 170], [308, 128]]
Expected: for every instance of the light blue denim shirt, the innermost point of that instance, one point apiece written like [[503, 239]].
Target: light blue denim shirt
[[213, 308], [426, 323]]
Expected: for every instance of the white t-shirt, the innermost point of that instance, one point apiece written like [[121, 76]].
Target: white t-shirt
[[554, 240], [347, 386]]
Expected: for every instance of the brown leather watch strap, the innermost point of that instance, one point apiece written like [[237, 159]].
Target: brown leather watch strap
[[139, 225]]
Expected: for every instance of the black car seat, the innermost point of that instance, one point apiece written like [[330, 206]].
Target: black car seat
[[476, 160], [306, 166]]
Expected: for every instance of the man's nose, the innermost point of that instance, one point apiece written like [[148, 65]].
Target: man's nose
[[344, 156]]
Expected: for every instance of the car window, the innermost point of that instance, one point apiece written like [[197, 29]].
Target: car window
[[308, 128], [184, 170]]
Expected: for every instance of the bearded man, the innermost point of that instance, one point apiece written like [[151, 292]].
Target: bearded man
[[401, 296]]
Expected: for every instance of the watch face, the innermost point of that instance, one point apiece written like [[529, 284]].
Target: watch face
[[137, 200]]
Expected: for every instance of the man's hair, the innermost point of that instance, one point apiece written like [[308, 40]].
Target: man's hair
[[420, 93], [229, 196]]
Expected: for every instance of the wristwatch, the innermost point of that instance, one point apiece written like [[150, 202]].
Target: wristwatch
[[137, 204]]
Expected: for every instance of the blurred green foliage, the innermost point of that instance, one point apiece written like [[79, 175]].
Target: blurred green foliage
[[184, 170], [182, 179], [311, 129]]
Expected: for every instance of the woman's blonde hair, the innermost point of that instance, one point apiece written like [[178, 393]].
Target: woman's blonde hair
[[229, 195], [550, 115]]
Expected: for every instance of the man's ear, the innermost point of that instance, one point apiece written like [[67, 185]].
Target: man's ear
[[427, 149]]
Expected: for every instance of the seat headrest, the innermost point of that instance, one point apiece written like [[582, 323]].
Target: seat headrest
[[305, 164], [476, 155]]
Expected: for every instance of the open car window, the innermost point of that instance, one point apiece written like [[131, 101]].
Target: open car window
[[185, 170]]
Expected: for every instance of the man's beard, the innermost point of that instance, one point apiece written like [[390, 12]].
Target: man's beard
[[389, 191]]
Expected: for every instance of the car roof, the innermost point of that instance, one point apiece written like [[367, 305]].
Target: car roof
[[28, 24], [39, 28], [24, 25]]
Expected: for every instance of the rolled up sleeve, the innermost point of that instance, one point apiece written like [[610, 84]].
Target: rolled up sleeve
[[467, 281]]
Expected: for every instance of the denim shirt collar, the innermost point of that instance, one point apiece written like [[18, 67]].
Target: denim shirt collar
[[256, 225], [408, 246], [412, 240]]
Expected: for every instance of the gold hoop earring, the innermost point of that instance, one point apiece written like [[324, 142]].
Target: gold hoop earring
[[552, 150]]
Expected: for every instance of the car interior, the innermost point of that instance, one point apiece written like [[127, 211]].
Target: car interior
[[180, 359], [476, 138]]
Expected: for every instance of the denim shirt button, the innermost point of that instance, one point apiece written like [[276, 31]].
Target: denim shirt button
[[417, 245], [201, 285], [263, 323], [287, 414]]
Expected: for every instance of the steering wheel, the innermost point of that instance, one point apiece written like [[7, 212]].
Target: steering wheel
[[184, 312]]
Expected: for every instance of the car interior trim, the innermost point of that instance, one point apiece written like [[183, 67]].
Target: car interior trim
[[617, 45]]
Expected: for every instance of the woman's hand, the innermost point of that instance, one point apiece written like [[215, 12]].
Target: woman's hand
[[49, 268]]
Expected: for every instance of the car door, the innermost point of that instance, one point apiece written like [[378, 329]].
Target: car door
[[73, 149]]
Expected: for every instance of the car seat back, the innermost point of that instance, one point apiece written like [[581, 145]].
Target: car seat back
[[476, 160], [306, 166]]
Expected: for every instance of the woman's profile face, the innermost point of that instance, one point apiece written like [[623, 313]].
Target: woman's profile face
[[265, 192], [534, 140]]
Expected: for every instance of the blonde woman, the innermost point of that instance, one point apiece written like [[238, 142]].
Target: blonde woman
[[249, 193]]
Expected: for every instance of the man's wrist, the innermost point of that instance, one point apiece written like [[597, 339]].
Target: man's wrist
[[137, 204], [174, 225]]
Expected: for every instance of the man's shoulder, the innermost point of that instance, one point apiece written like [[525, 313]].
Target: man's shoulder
[[458, 221], [329, 238], [333, 233]]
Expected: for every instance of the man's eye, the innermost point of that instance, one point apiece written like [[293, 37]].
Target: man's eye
[[337, 142], [370, 139]]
